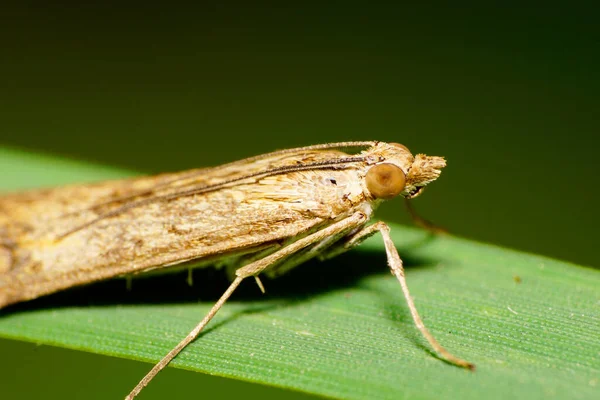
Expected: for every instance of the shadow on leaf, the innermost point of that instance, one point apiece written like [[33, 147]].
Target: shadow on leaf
[[310, 279]]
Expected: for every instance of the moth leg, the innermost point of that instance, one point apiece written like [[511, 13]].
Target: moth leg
[[395, 264], [260, 284], [292, 249], [252, 269], [422, 222], [231, 269], [190, 277], [350, 241], [315, 250]]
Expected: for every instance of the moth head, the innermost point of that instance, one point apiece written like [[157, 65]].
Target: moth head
[[396, 171]]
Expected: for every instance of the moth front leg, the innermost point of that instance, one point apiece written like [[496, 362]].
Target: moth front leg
[[397, 268]]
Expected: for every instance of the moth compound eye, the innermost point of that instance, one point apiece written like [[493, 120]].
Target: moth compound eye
[[385, 181]]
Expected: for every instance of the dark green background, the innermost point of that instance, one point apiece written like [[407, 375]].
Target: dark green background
[[508, 94]]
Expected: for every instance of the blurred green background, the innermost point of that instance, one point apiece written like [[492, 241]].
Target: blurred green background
[[508, 95]]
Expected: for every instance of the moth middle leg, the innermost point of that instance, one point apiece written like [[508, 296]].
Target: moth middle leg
[[252, 270], [316, 250]]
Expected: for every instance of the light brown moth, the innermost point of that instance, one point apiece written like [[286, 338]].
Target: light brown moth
[[264, 214]]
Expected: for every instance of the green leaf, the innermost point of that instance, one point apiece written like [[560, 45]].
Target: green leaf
[[341, 328]]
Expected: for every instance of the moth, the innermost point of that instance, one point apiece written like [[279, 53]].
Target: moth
[[263, 215]]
